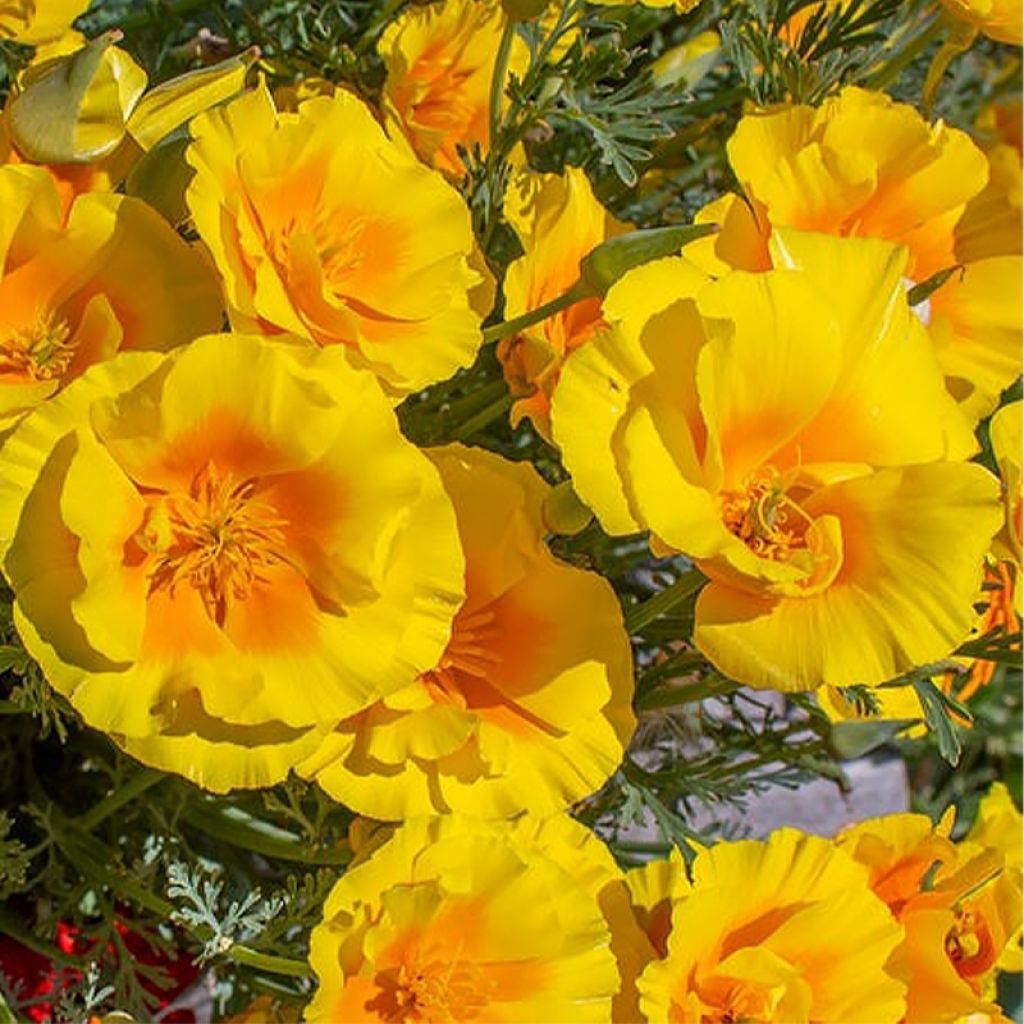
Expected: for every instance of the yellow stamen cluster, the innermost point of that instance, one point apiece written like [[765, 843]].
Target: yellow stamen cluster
[[439, 991], [764, 516], [42, 351], [218, 538]]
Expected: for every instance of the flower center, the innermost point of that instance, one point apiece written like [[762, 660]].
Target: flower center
[[41, 351], [764, 516], [469, 656], [439, 992], [969, 945], [218, 538]]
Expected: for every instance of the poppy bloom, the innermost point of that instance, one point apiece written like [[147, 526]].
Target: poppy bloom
[[559, 221], [790, 432], [114, 277], [419, 927], [271, 555], [959, 903], [351, 243], [528, 708], [781, 930], [440, 60], [912, 183]]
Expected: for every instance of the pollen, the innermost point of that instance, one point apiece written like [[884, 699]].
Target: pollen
[[439, 992], [218, 538], [41, 351], [764, 516]]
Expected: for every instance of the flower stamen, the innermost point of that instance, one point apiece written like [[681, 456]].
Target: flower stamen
[[218, 538]]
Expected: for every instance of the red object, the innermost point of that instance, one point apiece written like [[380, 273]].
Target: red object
[[37, 979]]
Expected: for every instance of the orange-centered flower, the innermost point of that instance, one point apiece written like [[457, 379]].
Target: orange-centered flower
[[790, 432], [559, 221], [440, 60], [782, 931], [456, 920], [528, 708], [271, 556], [114, 277], [960, 904], [861, 165], [322, 227]]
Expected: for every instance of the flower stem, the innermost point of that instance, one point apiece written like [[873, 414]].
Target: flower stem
[[234, 826], [893, 67], [135, 786], [498, 78], [645, 613], [507, 328], [485, 416], [674, 696]]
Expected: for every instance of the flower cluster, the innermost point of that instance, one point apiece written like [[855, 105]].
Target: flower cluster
[[221, 305], [890, 921]]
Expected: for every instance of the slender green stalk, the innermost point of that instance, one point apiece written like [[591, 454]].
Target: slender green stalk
[[485, 416], [893, 67], [135, 786], [12, 707], [240, 829], [675, 696], [644, 614], [507, 328], [499, 76]]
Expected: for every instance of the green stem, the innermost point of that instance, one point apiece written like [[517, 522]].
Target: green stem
[[892, 68], [135, 786], [485, 416], [12, 707], [507, 328], [644, 614], [234, 826], [498, 77], [675, 696]]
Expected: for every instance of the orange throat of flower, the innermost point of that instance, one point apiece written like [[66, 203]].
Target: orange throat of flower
[[765, 517], [217, 538], [470, 654]]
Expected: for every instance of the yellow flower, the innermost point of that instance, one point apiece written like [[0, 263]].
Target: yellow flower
[[997, 19], [529, 706], [114, 277], [784, 931], [33, 22], [790, 432], [998, 825], [453, 919], [88, 117], [1005, 432], [959, 904], [440, 59], [271, 556], [322, 227], [862, 165], [559, 220]]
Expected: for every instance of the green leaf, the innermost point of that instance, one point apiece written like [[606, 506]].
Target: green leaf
[[607, 262], [855, 739], [937, 707]]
